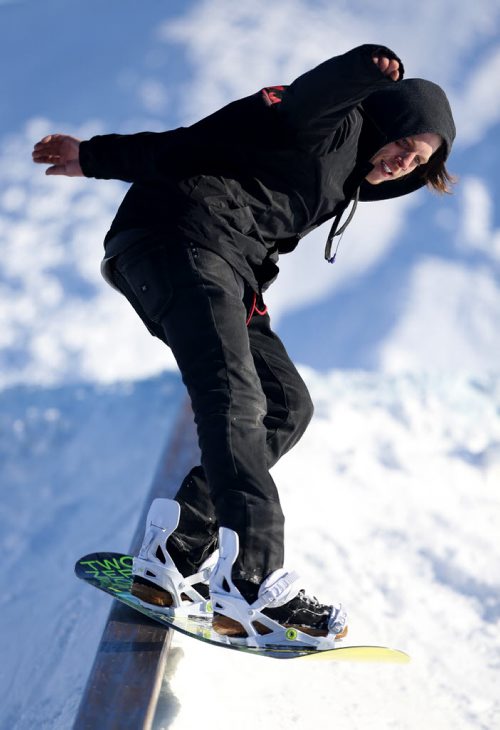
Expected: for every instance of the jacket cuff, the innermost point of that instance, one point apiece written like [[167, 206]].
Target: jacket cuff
[[86, 158], [94, 157]]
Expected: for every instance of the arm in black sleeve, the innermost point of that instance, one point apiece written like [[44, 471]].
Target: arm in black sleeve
[[134, 157], [321, 98]]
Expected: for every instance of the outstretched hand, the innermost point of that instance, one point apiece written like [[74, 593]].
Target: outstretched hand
[[388, 67], [61, 152]]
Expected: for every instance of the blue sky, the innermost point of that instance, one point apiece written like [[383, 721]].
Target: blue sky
[[417, 283], [74, 61]]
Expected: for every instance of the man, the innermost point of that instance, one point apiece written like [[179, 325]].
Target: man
[[193, 246]]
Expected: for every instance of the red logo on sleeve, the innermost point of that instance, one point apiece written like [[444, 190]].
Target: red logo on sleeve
[[273, 94]]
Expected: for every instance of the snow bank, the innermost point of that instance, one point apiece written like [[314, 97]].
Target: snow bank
[[391, 509], [75, 466]]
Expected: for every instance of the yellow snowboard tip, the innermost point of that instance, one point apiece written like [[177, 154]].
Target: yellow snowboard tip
[[381, 654]]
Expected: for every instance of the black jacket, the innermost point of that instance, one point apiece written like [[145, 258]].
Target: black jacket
[[253, 178]]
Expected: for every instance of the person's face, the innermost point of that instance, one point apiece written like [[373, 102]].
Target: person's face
[[401, 157]]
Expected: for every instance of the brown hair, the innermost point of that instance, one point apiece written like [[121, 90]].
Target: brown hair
[[436, 175]]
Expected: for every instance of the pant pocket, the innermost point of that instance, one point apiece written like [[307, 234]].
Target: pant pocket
[[148, 275]]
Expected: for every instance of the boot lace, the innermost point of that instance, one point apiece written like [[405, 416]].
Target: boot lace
[[310, 600]]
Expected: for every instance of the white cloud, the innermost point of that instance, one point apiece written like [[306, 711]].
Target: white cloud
[[477, 229], [58, 318], [237, 48], [13, 199], [476, 105], [153, 95], [450, 319]]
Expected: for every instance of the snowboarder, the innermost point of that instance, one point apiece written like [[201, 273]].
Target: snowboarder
[[194, 245]]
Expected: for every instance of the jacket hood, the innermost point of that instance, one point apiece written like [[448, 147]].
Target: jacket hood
[[410, 107]]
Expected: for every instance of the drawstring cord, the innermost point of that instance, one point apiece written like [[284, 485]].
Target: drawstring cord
[[254, 309], [334, 232], [328, 250]]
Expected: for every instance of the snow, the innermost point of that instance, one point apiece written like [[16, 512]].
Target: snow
[[76, 464], [392, 509]]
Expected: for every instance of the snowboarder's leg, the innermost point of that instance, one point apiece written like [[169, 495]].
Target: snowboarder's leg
[[275, 609], [197, 533], [196, 299], [289, 405], [196, 303], [289, 411], [206, 329]]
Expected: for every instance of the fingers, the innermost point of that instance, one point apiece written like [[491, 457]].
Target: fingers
[[44, 157], [60, 151], [54, 147], [49, 149], [51, 141], [55, 140], [56, 170], [70, 169], [389, 68], [393, 70]]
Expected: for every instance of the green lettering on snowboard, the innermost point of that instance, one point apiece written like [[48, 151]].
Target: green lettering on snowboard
[[112, 573]]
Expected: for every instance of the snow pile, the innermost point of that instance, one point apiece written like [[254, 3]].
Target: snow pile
[[391, 508], [76, 464]]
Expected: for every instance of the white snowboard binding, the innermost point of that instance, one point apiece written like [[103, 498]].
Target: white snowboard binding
[[156, 580], [235, 617]]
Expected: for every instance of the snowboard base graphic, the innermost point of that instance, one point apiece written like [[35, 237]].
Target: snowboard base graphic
[[112, 573]]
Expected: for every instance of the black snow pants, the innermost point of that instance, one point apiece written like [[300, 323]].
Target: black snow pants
[[249, 402]]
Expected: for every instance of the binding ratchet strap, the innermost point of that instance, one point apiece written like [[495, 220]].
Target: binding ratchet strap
[[281, 591], [334, 232]]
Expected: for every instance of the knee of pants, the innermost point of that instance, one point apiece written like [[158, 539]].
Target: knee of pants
[[301, 410], [286, 430], [213, 399]]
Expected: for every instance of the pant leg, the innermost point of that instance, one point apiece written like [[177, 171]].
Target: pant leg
[[289, 405], [196, 299], [289, 411], [196, 536]]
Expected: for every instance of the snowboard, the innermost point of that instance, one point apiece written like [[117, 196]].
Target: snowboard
[[112, 573]]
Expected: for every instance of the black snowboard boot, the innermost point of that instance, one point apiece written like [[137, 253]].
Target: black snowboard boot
[[277, 610]]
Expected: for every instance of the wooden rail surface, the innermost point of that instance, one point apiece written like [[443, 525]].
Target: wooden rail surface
[[125, 680]]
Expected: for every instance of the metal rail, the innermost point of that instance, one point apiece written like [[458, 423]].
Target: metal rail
[[125, 680]]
